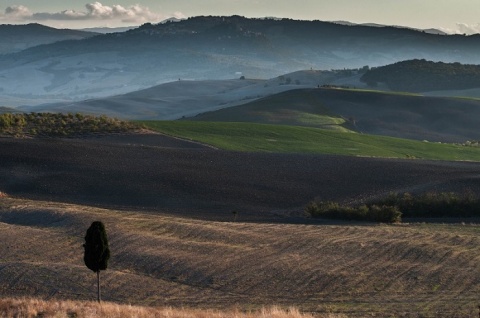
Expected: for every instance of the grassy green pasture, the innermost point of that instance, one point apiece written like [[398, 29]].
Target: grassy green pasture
[[294, 139], [364, 90]]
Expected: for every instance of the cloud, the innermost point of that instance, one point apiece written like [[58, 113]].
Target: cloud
[[17, 12], [464, 28], [93, 11]]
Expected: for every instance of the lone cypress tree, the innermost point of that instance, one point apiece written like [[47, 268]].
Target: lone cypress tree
[[97, 252]]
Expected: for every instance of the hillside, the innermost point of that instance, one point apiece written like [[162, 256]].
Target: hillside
[[167, 205], [155, 172], [358, 270], [215, 48], [4, 110], [371, 112], [186, 98], [15, 38], [246, 137], [424, 76]]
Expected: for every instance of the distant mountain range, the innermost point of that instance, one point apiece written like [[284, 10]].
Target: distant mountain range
[[209, 47], [15, 38], [430, 30], [105, 30]]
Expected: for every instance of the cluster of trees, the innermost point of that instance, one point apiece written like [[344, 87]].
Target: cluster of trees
[[58, 125], [288, 80], [423, 76], [395, 206]]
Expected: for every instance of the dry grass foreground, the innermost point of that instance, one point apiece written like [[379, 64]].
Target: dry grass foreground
[[32, 308], [421, 270]]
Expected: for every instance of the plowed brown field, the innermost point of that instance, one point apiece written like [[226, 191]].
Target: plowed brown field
[[157, 173]]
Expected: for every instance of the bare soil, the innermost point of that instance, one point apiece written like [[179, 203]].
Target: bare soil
[[158, 173]]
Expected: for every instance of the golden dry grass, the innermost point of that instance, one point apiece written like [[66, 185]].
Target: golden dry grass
[[31, 308], [430, 270]]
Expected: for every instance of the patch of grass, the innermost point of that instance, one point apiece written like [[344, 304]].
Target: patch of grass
[[30, 308], [299, 118], [293, 139], [379, 91]]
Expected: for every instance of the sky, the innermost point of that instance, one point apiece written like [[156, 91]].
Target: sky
[[453, 16]]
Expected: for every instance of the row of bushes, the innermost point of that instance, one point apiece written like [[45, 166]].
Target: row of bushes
[[392, 208], [57, 124], [435, 204], [373, 213]]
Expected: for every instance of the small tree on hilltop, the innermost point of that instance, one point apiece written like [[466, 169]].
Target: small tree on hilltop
[[97, 252]]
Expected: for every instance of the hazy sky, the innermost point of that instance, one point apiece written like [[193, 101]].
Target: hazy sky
[[461, 16]]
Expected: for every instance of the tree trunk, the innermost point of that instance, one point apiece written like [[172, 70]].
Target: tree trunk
[[98, 286]]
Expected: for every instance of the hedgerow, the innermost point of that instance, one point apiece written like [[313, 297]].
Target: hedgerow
[[60, 125], [395, 206], [374, 213], [435, 204]]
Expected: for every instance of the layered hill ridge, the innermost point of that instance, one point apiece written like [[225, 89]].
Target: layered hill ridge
[[215, 48], [380, 113], [424, 76], [187, 98], [15, 38]]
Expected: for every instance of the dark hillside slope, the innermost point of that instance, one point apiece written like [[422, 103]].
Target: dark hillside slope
[[424, 76], [208, 183], [14, 38], [397, 115]]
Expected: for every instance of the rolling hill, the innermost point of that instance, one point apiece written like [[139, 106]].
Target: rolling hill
[[372, 112], [156, 172], [214, 48], [247, 137], [424, 76], [15, 38], [186, 98], [167, 205], [351, 269]]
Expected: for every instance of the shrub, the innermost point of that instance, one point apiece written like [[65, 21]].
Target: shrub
[[392, 208], [435, 204], [374, 213]]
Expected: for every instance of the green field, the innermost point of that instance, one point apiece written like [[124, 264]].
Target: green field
[[295, 139], [376, 91]]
